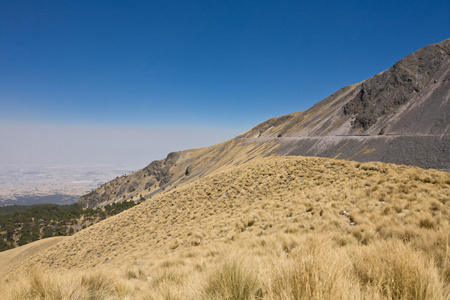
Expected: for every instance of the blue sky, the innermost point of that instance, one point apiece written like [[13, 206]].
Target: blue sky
[[210, 68]]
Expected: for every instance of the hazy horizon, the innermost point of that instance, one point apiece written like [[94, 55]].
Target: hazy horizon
[[128, 82], [135, 147]]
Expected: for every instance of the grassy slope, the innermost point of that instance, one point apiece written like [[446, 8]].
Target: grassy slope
[[276, 228], [10, 259], [201, 162]]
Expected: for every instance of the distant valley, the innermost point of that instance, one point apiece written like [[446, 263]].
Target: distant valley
[[59, 184]]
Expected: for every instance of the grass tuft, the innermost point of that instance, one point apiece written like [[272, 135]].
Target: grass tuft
[[98, 285], [396, 271], [234, 281]]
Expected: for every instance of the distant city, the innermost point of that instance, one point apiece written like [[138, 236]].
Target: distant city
[[57, 184]]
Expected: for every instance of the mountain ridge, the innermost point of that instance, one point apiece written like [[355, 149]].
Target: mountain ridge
[[401, 116]]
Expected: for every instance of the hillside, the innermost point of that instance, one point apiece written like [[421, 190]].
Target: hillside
[[275, 228], [10, 259], [177, 168], [400, 116]]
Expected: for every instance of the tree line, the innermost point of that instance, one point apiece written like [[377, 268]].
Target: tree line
[[20, 225]]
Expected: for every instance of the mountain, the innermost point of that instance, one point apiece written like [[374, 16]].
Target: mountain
[[400, 116]]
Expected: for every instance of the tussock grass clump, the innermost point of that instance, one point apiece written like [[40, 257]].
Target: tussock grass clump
[[44, 287], [395, 271], [427, 223], [98, 285], [316, 270], [135, 273], [234, 280]]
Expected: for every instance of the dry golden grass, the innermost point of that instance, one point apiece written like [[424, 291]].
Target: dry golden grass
[[274, 228], [201, 162], [12, 258]]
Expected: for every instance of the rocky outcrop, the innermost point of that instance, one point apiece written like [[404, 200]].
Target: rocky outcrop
[[383, 93], [415, 90], [159, 171], [133, 186]]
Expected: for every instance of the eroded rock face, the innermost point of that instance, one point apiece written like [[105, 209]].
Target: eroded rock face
[[415, 89], [385, 92], [160, 169], [156, 175]]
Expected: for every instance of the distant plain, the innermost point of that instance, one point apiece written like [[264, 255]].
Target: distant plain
[[58, 184]]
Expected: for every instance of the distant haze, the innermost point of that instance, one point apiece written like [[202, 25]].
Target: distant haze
[[129, 81], [134, 147]]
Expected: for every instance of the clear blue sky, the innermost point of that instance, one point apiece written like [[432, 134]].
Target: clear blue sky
[[225, 65]]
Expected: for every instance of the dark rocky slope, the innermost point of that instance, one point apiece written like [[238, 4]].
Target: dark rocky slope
[[412, 97], [401, 116]]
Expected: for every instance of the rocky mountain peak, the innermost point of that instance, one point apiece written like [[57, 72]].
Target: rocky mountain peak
[[387, 91]]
